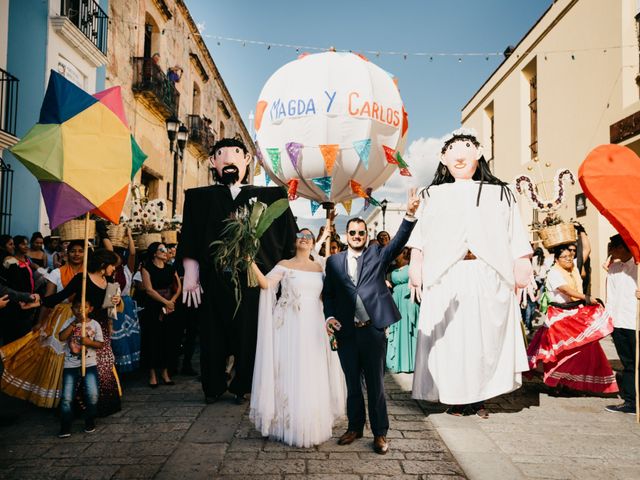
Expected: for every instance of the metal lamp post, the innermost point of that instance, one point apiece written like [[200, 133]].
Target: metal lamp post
[[176, 131], [383, 207]]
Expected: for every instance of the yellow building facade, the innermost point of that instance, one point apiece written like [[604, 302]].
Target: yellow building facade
[[148, 39], [571, 84]]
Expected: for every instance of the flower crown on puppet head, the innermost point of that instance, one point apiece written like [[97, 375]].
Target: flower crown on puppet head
[[461, 134]]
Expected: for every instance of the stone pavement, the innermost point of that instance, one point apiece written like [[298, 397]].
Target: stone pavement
[[169, 433], [537, 433]]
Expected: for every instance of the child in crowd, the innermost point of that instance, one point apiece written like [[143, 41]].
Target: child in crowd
[[71, 333]]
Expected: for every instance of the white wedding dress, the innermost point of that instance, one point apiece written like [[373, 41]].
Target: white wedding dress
[[298, 386]]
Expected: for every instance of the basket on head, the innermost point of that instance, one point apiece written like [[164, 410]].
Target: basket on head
[[74, 230], [555, 235], [143, 240], [169, 237], [118, 235]]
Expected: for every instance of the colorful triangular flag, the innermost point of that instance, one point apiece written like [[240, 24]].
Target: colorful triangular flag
[[324, 183], [292, 190], [405, 172], [357, 189], [267, 178], [257, 170], [293, 149], [274, 156], [389, 153], [329, 153], [400, 160], [363, 149], [314, 207], [259, 153], [347, 206]]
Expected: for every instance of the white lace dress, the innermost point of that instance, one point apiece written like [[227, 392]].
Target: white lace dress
[[298, 386]]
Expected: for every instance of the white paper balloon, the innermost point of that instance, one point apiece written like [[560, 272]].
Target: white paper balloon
[[337, 99]]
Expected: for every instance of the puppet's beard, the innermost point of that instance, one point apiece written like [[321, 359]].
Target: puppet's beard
[[229, 175]]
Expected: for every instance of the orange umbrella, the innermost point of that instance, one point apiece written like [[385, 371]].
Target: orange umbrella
[[609, 177]]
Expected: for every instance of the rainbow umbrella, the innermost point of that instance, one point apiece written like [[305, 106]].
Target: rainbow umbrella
[[84, 156], [81, 151]]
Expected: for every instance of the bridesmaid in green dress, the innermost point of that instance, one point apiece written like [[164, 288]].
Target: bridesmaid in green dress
[[401, 346]]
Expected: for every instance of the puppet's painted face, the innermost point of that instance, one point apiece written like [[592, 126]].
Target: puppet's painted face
[[231, 164], [461, 159]]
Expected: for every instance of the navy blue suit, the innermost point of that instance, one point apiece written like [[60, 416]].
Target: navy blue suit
[[363, 349]]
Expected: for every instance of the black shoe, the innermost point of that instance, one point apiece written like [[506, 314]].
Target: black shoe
[[168, 382], [89, 426], [188, 371], [64, 433], [153, 385], [240, 399], [622, 408]]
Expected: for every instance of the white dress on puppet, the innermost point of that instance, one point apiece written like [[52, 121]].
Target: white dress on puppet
[[298, 386], [470, 345]]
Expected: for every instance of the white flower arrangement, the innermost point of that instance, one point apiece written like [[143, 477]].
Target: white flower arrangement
[[147, 216]]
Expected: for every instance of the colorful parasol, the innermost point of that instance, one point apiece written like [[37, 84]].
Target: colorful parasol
[[81, 151]]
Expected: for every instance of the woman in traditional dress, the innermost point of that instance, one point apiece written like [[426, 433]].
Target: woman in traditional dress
[[401, 343], [568, 344], [100, 265], [298, 386], [33, 364], [125, 337], [160, 330]]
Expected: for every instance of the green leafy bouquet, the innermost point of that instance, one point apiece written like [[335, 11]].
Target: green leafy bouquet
[[240, 240]]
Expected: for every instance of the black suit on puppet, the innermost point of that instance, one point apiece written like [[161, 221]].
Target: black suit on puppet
[[222, 334]]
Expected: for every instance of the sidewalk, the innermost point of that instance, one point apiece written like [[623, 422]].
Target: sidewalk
[[534, 433]]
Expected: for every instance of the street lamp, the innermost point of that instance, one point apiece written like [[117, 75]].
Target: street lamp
[[176, 130], [383, 207]]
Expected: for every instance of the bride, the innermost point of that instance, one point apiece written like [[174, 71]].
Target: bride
[[298, 386]]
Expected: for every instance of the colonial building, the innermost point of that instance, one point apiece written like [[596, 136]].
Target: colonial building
[[68, 36], [571, 84], [168, 78]]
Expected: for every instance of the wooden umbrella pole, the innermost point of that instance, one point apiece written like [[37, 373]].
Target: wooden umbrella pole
[[83, 298]]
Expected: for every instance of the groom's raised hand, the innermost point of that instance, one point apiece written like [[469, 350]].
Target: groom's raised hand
[[413, 202]]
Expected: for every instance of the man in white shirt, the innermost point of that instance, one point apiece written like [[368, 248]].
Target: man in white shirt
[[622, 281]]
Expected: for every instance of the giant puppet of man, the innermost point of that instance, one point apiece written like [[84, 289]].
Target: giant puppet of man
[[470, 252], [221, 332]]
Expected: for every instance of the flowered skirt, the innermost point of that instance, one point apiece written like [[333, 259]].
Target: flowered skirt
[[568, 347], [125, 337], [33, 364]]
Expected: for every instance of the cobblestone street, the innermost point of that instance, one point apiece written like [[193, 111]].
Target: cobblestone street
[[170, 433]]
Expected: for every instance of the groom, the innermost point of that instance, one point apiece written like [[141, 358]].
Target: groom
[[358, 306]]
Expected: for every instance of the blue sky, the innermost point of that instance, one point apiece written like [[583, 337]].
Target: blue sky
[[433, 91]]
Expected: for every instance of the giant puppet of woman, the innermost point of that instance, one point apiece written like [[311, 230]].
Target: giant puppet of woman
[[470, 252], [224, 329]]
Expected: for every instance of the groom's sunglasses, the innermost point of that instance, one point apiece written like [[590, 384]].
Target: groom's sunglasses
[[307, 236], [360, 233]]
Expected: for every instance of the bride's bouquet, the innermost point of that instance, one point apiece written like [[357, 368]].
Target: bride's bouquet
[[240, 240]]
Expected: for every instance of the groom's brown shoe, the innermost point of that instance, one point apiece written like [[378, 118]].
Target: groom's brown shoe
[[348, 437], [380, 445]]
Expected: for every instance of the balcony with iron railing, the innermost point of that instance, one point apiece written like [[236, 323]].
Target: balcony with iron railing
[[200, 135], [8, 108], [89, 18], [152, 85], [84, 26]]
